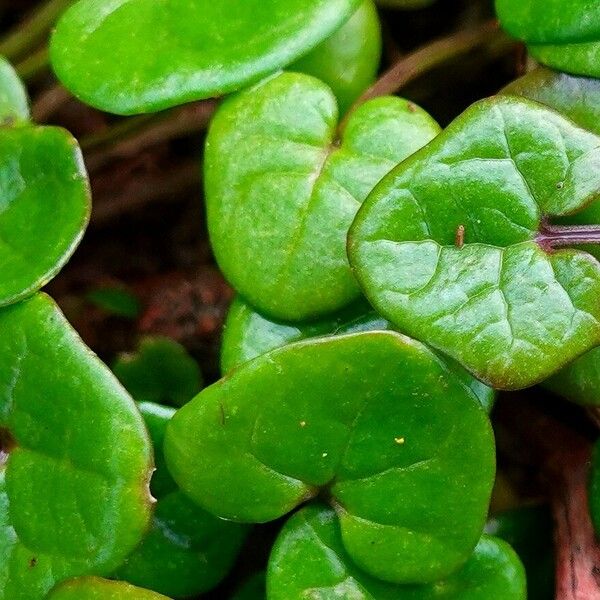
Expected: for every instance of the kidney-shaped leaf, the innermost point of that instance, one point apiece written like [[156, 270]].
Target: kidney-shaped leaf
[[564, 34], [374, 420], [248, 334], [448, 246], [309, 560], [79, 457], [94, 588], [281, 192], [200, 48], [44, 206], [14, 104]]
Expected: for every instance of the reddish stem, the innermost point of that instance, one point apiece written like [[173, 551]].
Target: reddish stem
[[556, 236]]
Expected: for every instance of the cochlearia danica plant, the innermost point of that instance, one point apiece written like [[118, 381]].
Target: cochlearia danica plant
[[365, 364]]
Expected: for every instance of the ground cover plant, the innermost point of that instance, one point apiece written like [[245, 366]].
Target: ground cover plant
[[342, 260]]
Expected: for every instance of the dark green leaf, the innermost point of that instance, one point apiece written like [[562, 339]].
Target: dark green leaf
[[309, 561], [281, 192], [115, 301], [509, 311], [100, 51], [373, 420], [161, 371], [79, 456]]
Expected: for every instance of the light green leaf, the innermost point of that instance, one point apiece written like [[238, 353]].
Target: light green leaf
[[509, 311], [200, 48], [561, 34], [281, 191], [79, 457], [348, 60], [44, 206], [94, 588], [309, 561], [248, 334], [311, 418], [14, 103]]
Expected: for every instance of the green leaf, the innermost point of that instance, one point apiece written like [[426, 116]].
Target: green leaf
[[44, 206], [94, 588], [374, 421], [309, 560], [509, 311], [281, 191], [348, 60], [252, 589], [161, 371], [248, 334], [79, 456], [579, 381], [405, 4], [187, 550], [528, 530], [100, 50], [561, 34], [14, 103], [594, 488], [576, 97], [115, 301]]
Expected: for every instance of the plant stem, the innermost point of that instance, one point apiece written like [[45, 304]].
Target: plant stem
[[33, 65], [428, 57], [31, 32], [556, 236]]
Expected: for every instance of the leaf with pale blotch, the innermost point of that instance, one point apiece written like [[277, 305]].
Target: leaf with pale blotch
[[282, 190], [374, 421], [500, 301], [94, 588]]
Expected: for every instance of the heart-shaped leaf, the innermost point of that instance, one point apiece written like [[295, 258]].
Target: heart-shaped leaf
[[309, 561], [187, 550], [79, 459], [100, 50], [44, 206], [161, 371], [94, 588], [281, 191], [452, 248], [248, 334], [563, 35], [14, 104], [373, 420], [348, 60]]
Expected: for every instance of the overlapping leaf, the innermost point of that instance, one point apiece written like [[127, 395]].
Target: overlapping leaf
[[564, 34], [187, 551], [94, 588], [491, 297], [281, 192], [248, 334], [76, 497], [309, 560], [14, 104], [373, 420], [199, 48]]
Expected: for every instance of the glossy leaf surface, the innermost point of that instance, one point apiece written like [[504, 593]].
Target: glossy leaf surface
[[79, 457], [94, 588], [187, 551], [309, 561], [44, 206], [528, 530], [499, 304], [199, 50], [561, 34], [310, 418], [14, 104], [247, 334], [281, 192], [161, 371], [348, 60]]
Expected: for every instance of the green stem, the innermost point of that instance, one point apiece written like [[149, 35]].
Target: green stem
[[33, 65]]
